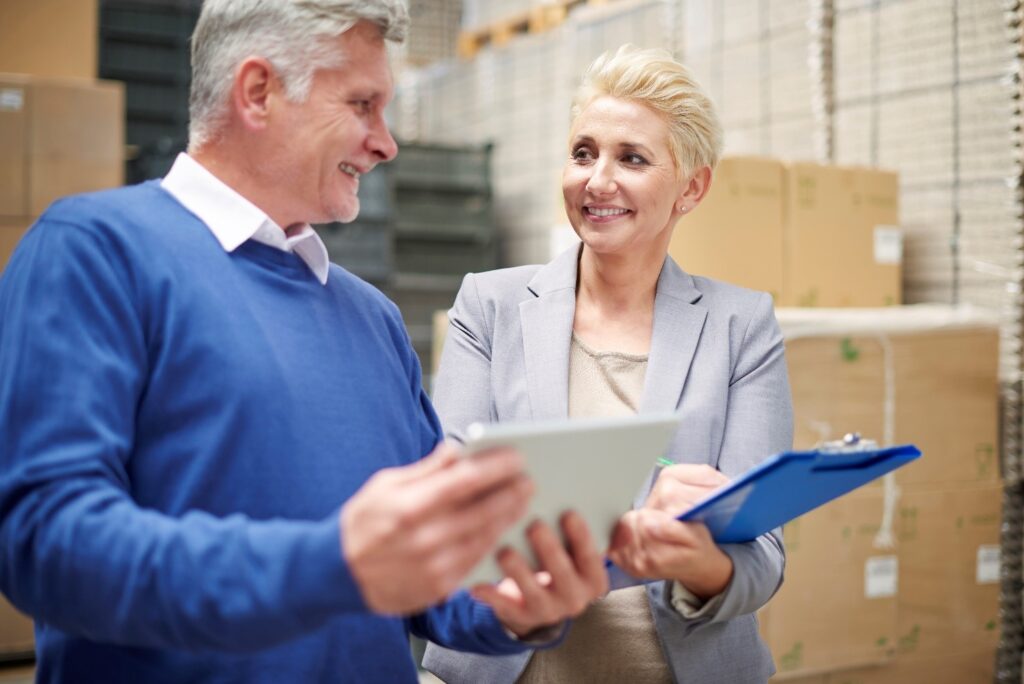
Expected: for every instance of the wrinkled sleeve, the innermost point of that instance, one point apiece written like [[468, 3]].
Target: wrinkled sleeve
[[465, 624], [758, 424]]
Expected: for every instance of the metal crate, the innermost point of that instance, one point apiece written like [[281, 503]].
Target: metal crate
[[376, 199], [445, 214], [362, 247], [444, 167], [145, 44], [418, 296], [444, 257]]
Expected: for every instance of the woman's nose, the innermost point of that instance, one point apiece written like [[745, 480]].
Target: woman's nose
[[602, 180]]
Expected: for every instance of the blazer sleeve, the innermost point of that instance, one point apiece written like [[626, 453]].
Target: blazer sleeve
[[462, 390], [758, 423]]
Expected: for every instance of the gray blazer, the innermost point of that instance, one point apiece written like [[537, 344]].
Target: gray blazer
[[716, 358]]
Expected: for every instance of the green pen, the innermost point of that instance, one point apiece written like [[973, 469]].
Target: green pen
[[665, 462]]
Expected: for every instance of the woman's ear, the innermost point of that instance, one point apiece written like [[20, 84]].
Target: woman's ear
[[694, 190]]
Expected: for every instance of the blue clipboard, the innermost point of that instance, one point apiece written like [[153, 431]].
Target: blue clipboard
[[782, 488], [788, 485]]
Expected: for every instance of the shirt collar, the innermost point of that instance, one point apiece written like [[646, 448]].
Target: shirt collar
[[233, 219]]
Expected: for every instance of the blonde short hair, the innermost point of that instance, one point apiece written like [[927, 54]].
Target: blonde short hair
[[652, 78]]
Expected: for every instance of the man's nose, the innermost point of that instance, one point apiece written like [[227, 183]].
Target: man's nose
[[382, 145]]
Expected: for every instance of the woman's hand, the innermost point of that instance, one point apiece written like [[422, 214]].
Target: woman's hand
[[680, 486], [651, 543]]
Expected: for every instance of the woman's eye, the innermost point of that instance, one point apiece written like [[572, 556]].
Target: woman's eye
[[581, 154], [634, 159]]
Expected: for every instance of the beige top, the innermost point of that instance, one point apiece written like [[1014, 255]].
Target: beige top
[[615, 639]]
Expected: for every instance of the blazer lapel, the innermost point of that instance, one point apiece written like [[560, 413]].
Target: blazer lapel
[[678, 322], [547, 332]]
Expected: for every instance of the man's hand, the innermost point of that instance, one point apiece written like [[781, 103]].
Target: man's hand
[[566, 583], [651, 543], [410, 534]]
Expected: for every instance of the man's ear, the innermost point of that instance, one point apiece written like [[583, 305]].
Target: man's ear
[[255, 83], [694, 190]]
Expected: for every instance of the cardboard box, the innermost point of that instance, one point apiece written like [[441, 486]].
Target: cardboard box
[[926, 373], [736, 233], [809, 234], [808, 679], [10, 233], [58, 137], [934, 595], [56, 38], [950, 668], [843, 242], [949, 551], [16, 637], [837, 607]]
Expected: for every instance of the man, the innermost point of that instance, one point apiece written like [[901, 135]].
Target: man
[[189, 392]]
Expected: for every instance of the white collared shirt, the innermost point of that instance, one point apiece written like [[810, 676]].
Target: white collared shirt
[[233, 219]]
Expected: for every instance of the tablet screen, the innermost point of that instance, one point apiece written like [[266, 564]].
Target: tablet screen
[[593, 466]]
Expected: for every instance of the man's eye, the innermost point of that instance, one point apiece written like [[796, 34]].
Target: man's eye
[[364, 106]]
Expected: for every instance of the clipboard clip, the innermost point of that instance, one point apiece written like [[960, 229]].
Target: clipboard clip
[[851, 443], [850, 452]]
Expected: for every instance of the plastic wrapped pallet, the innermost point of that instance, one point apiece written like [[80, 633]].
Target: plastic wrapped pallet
[[762, 63]]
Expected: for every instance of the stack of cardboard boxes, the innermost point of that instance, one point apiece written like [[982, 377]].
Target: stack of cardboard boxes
[[810, 234], [61, 132], [898, 581], [60, 137]]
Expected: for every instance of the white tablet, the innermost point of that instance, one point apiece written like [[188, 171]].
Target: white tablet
[[593, 466]]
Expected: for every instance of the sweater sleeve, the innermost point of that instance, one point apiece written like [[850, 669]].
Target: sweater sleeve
[[464, 624], [76, 552]]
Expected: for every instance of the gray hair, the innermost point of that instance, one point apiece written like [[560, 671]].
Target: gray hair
[[294, 35]]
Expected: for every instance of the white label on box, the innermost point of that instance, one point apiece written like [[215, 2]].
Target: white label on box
[[880, 575], [888, 245], [988, 564], [11, 99]]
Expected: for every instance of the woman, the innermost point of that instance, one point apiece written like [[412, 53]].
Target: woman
[[615, 327]]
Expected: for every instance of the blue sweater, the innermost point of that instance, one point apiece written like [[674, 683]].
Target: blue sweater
[[179, 427]]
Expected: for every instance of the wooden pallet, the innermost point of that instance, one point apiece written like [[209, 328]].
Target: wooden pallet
[[538, 19]]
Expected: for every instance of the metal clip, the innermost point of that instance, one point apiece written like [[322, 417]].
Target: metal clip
[[851, 442]]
